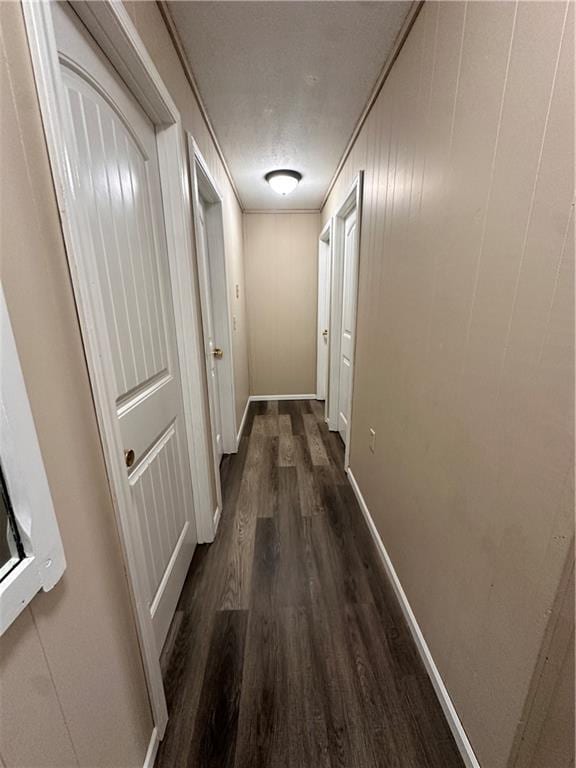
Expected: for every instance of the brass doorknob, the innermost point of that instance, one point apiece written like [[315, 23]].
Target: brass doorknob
[[129, 457], [217, 352]]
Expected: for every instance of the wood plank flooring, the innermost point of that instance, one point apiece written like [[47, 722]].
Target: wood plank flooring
[[291, 650]]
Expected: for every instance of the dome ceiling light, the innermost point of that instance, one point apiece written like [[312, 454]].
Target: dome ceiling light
[[283, 182]]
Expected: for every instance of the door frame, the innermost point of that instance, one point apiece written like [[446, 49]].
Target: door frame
[[204, 186], [110, 25], [325, 239], [352, 199]]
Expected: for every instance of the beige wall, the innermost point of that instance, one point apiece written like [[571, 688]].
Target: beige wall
[[465, 340], [555, 745], [281, 255], [72, 689], [548, 739]]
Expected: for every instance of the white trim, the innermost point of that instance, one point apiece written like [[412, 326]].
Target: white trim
[[243, 422], [462, 741], [175, 193], [352, 199], [205, 186], [110, 25], [42, 553], [5, 570], [326, 233], [152, 750], [326, 238], [216, 518], [258, 398]]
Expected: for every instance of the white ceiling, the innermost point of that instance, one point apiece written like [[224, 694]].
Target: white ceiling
[[284, 83]]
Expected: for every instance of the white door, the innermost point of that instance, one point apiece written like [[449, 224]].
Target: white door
[[118, 184], [349, 275], [211, 348], [322, 340]]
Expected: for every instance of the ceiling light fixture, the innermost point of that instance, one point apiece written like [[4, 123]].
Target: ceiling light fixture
[[283, 182]]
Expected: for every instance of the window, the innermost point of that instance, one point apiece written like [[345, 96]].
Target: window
[[31, 552], [11, 549]]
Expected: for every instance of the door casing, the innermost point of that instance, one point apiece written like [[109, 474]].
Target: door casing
[[352, 199], [110, 25], [325, 246], [205, 188]]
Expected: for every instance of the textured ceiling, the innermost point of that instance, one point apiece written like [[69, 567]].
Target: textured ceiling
[[284, 83]]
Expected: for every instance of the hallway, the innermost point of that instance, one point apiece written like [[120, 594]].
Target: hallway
[[287, 409], [290, 648]]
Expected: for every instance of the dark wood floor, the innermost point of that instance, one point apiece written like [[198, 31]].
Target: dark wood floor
[[290, 649]]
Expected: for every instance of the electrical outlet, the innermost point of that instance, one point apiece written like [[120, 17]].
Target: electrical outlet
[[372, 441]]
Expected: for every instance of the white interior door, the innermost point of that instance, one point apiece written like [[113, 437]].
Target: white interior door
[[322, 340], [349, 273], [211, 348], [118, 184]]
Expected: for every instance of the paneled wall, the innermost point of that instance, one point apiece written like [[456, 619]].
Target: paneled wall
[[281, 255], [72, 689], [465, 364], [548, 738], [555, 745]]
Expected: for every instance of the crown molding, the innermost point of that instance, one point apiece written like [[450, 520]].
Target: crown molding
[[411, 16], [178, 45]]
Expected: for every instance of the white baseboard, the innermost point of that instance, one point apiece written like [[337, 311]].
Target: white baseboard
[[243, 422], [152, 749], [448, 708], [256, 398], [217, 516]]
